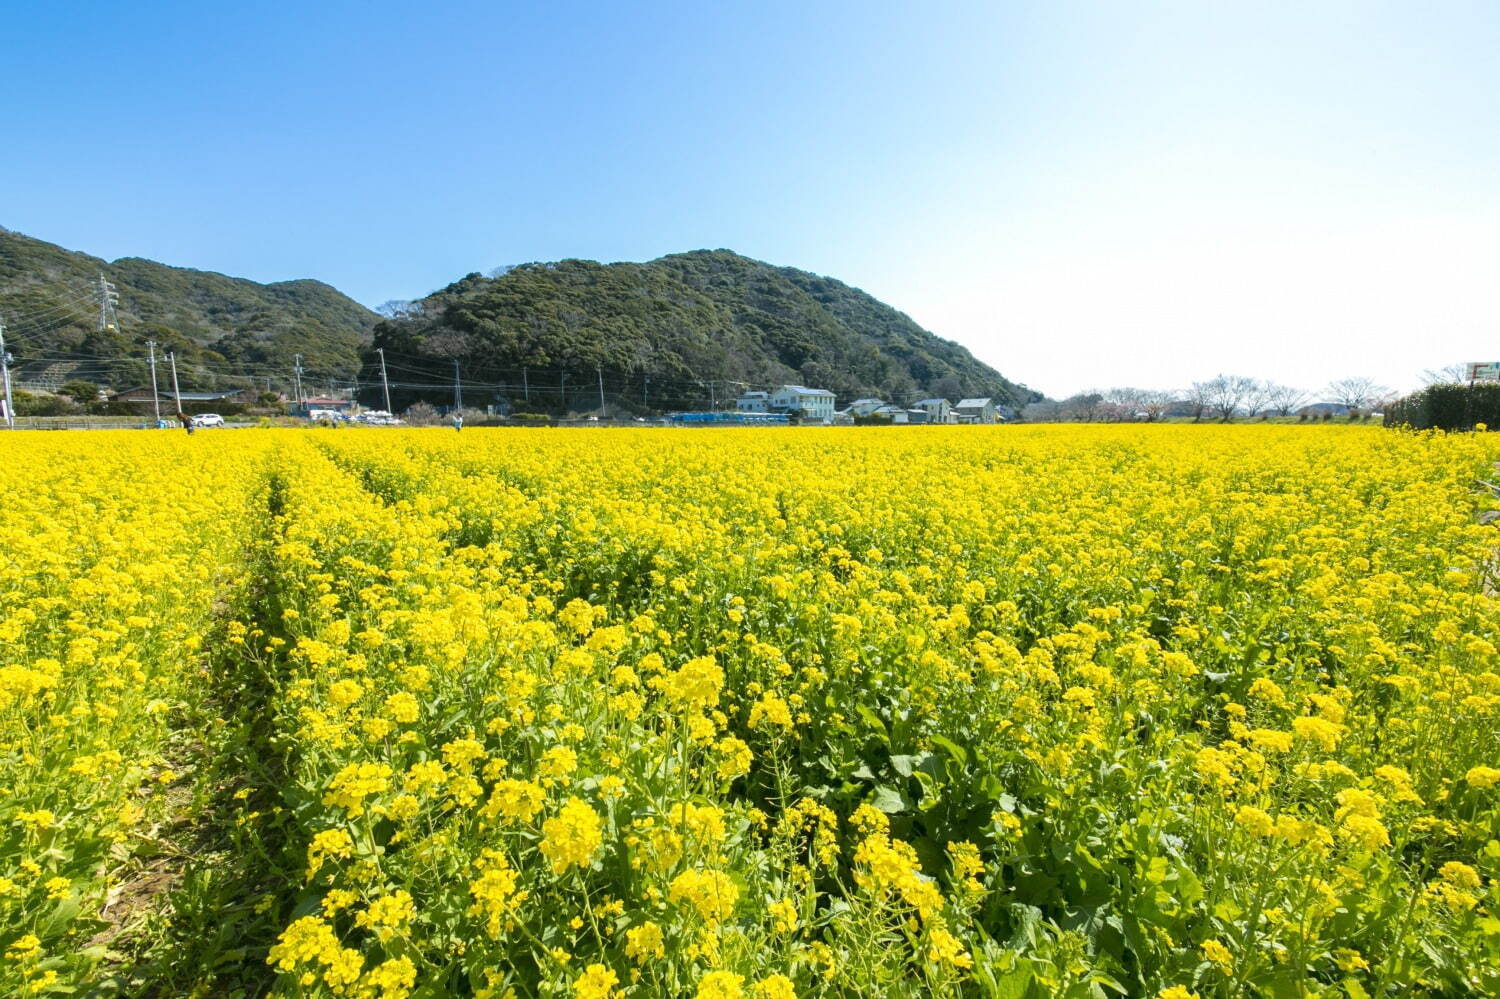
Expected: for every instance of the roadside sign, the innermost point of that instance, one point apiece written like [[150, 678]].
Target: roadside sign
[[1484, 371]]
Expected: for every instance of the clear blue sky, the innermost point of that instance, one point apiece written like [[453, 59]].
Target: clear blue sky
[[1085, 194]]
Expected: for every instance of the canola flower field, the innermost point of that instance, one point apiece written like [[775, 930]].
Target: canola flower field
[[1005, 712]]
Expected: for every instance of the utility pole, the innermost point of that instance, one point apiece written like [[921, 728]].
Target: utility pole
[[646, 396], [525, 385], [176, 392], [385, 382], [600, 372], [297, 378], [155, 399], [108, 299], [458, 388], [10, 407]]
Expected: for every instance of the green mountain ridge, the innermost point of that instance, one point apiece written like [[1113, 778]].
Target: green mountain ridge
[[680, 331], [683, 331], [223, 330]]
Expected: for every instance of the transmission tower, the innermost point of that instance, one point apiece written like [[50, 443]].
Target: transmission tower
[[109, 301]]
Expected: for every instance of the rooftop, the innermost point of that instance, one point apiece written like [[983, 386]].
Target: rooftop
[[804, 390]]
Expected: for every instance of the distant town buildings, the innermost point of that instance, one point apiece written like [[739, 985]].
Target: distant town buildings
[[801, 404]]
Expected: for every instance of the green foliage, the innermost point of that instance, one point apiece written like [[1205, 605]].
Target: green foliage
[[1447, 407], [28, 404], [80, 391], [679, 322]]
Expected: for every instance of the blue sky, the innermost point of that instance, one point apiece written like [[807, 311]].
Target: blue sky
[[1084, 194]]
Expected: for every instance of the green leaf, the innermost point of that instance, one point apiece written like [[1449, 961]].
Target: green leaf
[[888, 800], [871, 719], [1012, 985], [903, 765], [954, 750]]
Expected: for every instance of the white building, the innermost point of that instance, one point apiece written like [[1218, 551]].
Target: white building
[[807, 403], [975, 410], [895, 414], [864, 407], [754, 402], [938, 410]]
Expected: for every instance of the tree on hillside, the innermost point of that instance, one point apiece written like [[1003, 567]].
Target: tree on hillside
[[1359, 394], [400, 308]]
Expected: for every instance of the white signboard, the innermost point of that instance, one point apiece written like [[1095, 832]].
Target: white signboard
[[1484, 371]]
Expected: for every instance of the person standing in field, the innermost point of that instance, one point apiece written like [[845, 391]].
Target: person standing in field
[[187, 421], [458, 422]]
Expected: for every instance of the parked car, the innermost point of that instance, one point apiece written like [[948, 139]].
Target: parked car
[[208, 420]]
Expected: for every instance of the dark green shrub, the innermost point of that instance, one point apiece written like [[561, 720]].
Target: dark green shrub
[[1447, 407]]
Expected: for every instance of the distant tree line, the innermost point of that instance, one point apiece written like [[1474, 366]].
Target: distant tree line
[[1219, 399]]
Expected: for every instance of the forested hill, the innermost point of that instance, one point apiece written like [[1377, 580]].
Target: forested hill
[[679, 332], [218, 326], [671, 333]]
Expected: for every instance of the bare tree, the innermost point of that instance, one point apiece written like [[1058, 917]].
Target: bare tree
[[400, 308], [1122, 405], [1155, 404], [1257, 397], [1223, 395], [448, 344], [1083, 407], [1359, 394], [1451, 374], [1195, 400], [1283, 400], [1046, 411]]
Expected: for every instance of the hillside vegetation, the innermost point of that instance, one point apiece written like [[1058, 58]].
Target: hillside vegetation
[[678, 332], [672, 332], [217, 325]]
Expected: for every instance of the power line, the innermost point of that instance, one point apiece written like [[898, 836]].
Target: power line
[[70, 305], [37, 330]]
